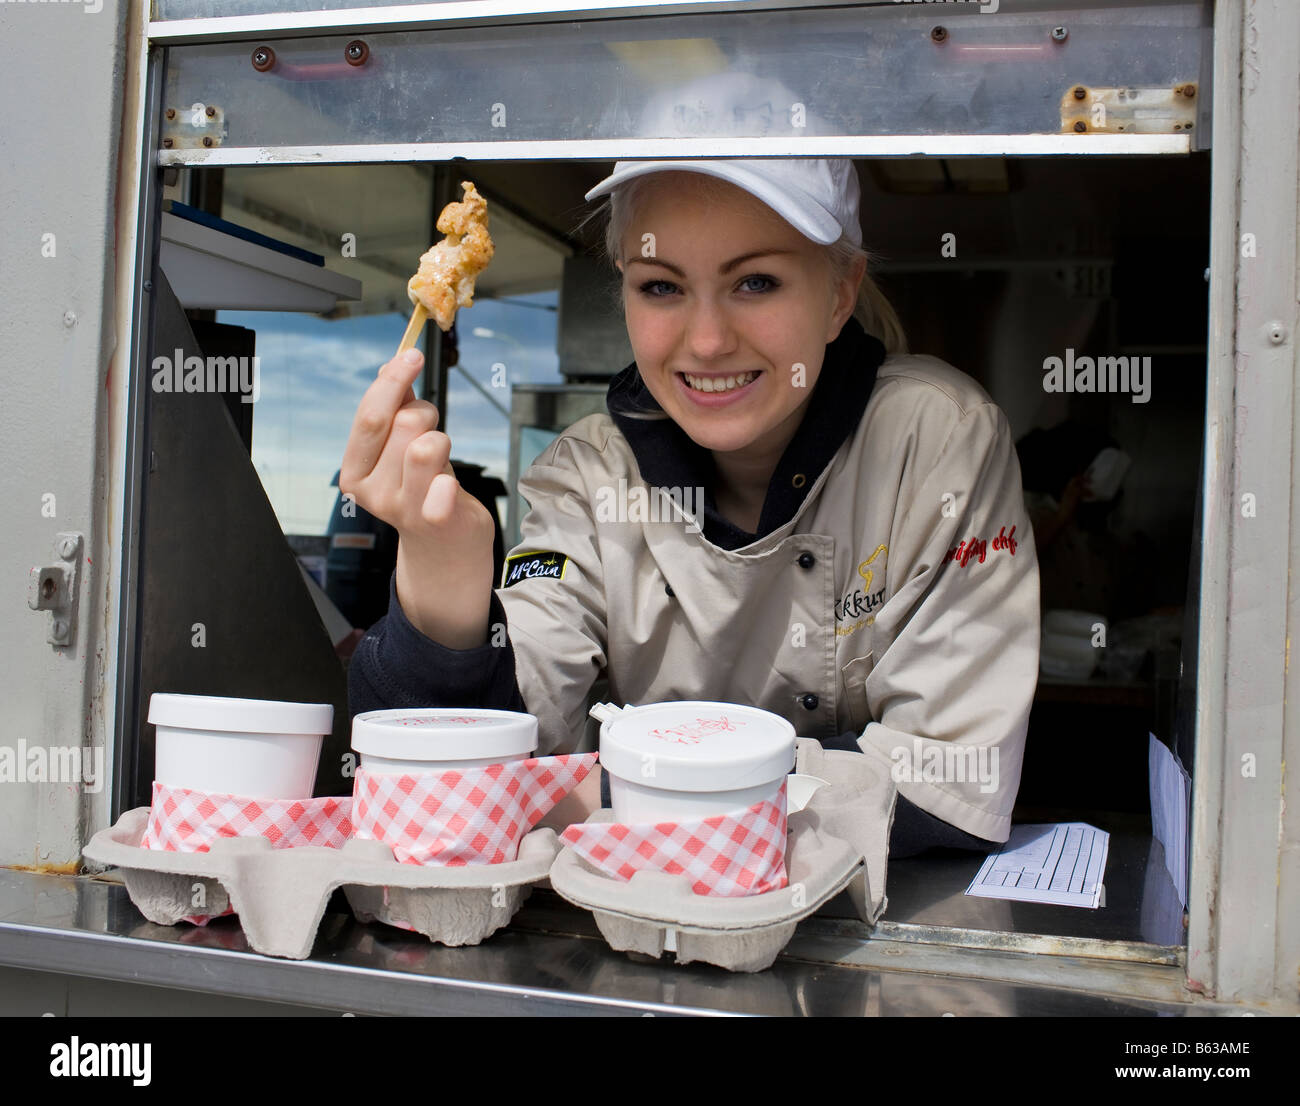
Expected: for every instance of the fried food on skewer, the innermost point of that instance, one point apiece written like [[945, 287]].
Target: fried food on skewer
[[445, 279]]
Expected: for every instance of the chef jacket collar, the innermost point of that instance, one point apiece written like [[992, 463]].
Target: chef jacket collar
[[668, 458]]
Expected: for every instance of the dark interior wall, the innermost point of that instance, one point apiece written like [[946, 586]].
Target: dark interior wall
[[213, 553]]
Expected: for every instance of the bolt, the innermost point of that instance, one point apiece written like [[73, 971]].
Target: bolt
[[1080, 92], [263, 59], [67, 548], [1188, 90], [69, 318], [1059, 34], [207, 140], [356, 52], [1080, 126], [171, 113], [167, 143], [939, 34], [148, 285], [1276, 333], [60, 628], [212, 113]]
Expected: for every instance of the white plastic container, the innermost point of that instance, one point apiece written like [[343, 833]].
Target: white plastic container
[[406, 741], [257, 748], [669, 762]]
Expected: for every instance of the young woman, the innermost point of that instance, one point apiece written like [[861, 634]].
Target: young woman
[[857, 558]]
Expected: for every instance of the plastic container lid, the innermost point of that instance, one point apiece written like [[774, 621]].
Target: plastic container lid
[[443, 733], [697, 746], [212, 712]]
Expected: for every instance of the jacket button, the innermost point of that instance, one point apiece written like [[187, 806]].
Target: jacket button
[[668, 591], [809, 701], [806, 560]]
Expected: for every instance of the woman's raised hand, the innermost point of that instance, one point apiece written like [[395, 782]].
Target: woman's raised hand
[[397, 466]]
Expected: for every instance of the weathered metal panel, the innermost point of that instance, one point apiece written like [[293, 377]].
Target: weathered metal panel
[[59, 346]]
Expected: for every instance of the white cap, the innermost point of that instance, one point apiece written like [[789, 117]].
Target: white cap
[[443, 733], [819, 197], [697, 746]]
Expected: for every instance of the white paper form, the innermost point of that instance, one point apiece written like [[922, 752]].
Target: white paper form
[[1171, 798], [1062, 864]]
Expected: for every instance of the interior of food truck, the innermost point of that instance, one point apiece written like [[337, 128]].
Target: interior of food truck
[[994, 264]]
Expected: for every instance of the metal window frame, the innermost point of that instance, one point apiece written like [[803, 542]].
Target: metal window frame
[[1244, 925], [462, 13], [1238, 885]]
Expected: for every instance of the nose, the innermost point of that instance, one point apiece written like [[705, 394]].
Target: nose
[[709, 333]]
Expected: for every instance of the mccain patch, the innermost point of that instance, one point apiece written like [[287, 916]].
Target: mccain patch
[[533, 566]]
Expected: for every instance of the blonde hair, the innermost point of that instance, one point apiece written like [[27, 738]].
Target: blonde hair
[[873, 310]]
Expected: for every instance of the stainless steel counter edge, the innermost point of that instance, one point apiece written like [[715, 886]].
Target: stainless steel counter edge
[[300, 982]]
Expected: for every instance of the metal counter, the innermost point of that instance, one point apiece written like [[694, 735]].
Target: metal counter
[[552, 961]]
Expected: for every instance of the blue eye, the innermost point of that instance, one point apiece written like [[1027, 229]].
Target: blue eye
[[650, 288], [770, 282]]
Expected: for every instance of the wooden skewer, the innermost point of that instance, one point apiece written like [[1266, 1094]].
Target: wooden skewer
[[413, 328]]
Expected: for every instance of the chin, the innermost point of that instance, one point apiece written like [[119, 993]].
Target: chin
[[718, 439]]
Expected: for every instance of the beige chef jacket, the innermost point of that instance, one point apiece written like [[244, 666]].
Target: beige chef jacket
[[901, 601]]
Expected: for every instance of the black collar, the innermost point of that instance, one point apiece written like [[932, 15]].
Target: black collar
[[668, 458]]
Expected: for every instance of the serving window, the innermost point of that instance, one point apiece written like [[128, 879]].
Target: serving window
[[996, 263]]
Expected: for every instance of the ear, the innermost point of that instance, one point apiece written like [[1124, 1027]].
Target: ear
[[619, 265], [846, 298]]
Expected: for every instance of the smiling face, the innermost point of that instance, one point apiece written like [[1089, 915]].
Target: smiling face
[[730, 318]]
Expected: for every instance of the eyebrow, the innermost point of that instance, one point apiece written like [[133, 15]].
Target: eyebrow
[[722, 269]]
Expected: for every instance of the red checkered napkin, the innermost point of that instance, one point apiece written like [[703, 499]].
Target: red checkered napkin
[[470, 816], [184, 821], [728, 855]]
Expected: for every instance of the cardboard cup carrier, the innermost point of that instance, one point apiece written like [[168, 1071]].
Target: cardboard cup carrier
[[677, 762], [268, 751]]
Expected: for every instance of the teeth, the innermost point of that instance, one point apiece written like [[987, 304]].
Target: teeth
[[717, 383]]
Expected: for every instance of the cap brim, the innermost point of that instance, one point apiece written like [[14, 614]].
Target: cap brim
[[810, 218]]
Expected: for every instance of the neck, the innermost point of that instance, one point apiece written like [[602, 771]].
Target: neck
[[742, 479]]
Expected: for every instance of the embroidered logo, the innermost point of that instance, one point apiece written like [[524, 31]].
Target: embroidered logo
[[861, 601], [531, 566], [978, 548]]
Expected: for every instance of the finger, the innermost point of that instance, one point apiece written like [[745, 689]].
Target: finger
[[411, 422], [425, 458], [440, 502], [391, 390]]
